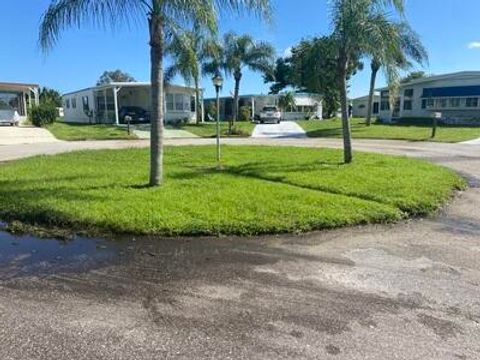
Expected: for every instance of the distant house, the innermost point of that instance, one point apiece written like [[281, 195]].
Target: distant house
[[360, 106], [106, 103], [456, 96], [307, 106], [15, 100]]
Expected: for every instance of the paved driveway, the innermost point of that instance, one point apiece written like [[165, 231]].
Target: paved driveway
[[404, 291], [286, 129], [143, 132], [13, 135]]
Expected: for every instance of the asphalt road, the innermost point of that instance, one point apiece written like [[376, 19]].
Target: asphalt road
[[404, 291]]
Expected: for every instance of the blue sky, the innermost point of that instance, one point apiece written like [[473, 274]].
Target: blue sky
[[446, 28]]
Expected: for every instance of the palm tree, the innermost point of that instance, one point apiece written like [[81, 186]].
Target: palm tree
[[360, 27], [189, 50], [409, 47], [164, 18], [239, 52], [287, 101]]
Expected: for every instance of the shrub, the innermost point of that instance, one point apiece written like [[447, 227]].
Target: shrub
[[211, 111], [43, 114], [245, 113]]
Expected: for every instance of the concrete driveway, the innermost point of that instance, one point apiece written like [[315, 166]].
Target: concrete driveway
[[14, 135], [143, 132], [286, 129], [404, 291]]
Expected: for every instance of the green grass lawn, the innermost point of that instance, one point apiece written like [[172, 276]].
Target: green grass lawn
[[208, 130], [76, 132], [261, 190], [333, 129]]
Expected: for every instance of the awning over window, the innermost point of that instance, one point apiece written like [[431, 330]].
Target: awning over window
[[451, 91]]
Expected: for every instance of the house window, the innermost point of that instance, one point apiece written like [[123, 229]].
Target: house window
[[384, 105], [407, 104], [192, 103], [178, 102], [427, 103], [408, 93], [375, 107], [74, 103], [67, 103], [86, 106], [361, 106], [472, 102], [454, 102], [385, 94], [169, 98], [442, 103], [186, 102]]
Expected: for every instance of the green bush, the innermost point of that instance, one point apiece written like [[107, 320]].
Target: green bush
[[245, 113], [43, 114], [211, 111]]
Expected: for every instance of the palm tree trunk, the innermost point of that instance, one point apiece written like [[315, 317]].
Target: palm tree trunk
[[157, 94], [236, 95], [347, 138], [373, 78], [198, 107]]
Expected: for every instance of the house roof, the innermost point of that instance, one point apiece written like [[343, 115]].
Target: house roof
[[297, 95], [124, 85], [459, 74], [9, 86], [375, 96]]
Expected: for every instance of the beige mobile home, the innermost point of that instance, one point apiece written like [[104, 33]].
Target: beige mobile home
[[360, 106], [456, 96], [105, 103], [307, 105]]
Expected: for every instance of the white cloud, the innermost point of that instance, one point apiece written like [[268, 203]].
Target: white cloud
[[288, 52], [474, 45]]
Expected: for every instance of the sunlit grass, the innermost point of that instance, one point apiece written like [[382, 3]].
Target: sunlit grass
[[418, 132], [261, 190]]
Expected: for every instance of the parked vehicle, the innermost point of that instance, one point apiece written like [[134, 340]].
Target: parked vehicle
[[9, 117], [270, 114], [136, 113]]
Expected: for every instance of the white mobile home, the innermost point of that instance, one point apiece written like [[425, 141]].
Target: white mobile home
[[456, 96], [105, 103], [15, 100], [307, 105], [360, 106]]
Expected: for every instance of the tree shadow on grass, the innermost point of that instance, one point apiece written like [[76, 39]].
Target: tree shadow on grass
[[274, 173]]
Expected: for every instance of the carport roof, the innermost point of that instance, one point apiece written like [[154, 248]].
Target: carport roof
[[125, 85], [8, 86]]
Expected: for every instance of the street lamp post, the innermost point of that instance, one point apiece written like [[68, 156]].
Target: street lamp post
[[218, 83]]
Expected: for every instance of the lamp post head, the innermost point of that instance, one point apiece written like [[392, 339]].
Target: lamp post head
[[217, 81]]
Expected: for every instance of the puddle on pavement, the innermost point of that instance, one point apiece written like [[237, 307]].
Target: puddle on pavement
[[28, 255]]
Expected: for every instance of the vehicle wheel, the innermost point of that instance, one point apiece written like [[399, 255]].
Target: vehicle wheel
[[278, 122], [261, 122]]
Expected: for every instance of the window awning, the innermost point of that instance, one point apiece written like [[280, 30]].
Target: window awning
[[454, 91]]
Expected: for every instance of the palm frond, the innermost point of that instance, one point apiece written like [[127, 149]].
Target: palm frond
[[63, 14]]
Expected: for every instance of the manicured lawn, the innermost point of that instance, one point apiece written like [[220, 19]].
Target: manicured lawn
[[76, 132], [261, 190], [208, 130], [333, 129]]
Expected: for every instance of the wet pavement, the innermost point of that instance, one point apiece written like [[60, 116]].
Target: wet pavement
[[26, 255]]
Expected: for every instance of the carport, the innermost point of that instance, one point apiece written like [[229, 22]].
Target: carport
[[17, 97]]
